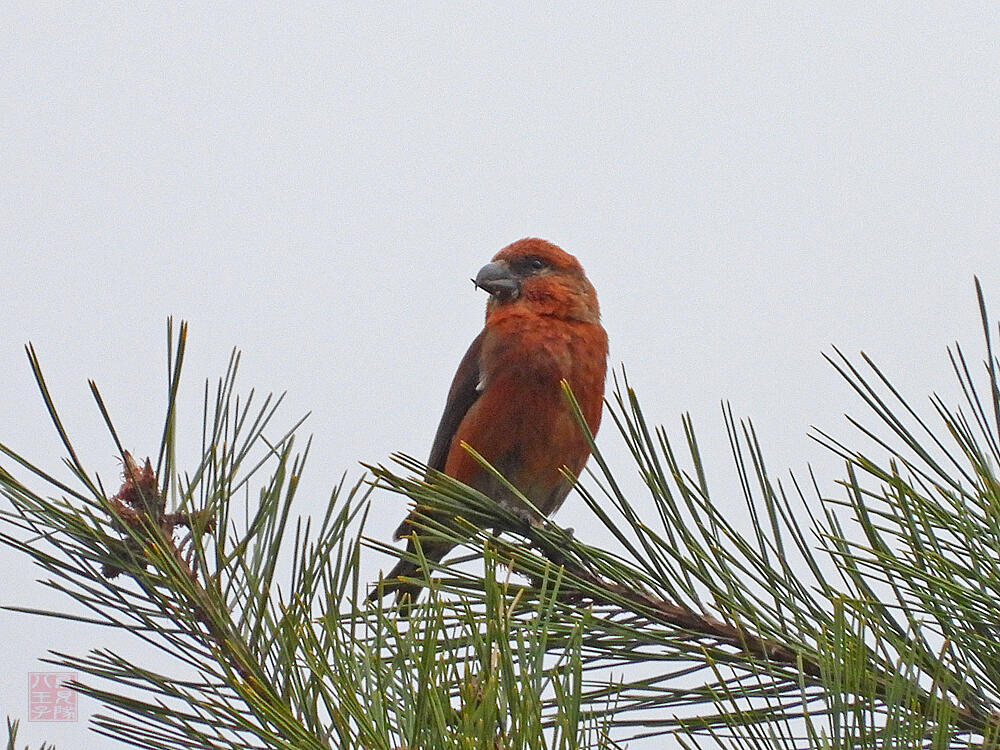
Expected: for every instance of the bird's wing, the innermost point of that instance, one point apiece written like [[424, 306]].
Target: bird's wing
[[463, 393]]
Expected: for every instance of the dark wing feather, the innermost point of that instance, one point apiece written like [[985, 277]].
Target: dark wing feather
[[463, 393]]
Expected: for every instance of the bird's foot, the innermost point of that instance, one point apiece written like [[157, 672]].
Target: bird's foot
[[530, 518]]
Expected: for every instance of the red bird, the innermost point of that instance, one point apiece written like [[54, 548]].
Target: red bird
[[506, 401]]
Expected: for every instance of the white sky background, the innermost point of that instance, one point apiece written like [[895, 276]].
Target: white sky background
[[315, 185]]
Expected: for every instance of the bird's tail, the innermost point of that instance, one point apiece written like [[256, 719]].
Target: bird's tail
[[406, 579]]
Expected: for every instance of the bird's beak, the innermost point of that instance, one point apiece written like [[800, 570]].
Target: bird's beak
[[497, 280]]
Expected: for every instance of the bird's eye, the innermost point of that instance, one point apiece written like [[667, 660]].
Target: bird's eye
[[528, 265]]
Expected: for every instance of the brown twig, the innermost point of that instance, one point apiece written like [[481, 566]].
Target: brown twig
[[580, 583]]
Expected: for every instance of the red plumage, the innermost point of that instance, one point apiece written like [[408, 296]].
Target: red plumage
[[506, 400]]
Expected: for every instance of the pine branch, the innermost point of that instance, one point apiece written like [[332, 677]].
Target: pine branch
[[255, 665], [921, 662], [863, 620]]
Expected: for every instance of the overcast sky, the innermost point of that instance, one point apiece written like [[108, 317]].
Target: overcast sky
[[315, 184]]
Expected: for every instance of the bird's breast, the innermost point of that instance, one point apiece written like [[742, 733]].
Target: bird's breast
[[521, 422], [532, 355]]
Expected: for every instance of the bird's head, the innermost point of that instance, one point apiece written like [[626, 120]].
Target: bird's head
[[541, 276]]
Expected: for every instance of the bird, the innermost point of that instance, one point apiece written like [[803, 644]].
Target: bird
[[506, 401]]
